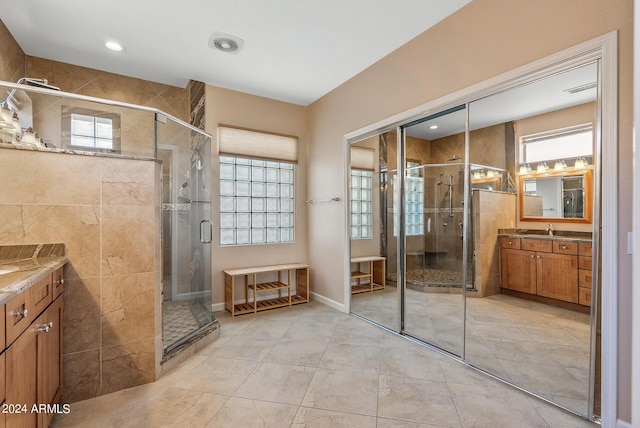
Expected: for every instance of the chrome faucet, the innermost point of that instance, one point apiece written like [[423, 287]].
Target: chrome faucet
[[549, 229]]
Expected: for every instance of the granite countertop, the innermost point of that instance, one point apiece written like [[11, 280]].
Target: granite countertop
[[558, 235], [26, 265]]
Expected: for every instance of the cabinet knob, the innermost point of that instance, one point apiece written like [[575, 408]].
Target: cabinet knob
[[532, 256], [45, 327], [510, 243], [538, 257], [564, 247], [20, 313], [60, 281]]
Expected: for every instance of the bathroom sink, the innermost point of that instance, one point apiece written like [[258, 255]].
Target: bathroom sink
[[8, 269]]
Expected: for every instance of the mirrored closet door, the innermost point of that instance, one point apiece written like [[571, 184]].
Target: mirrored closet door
[[475, 230]]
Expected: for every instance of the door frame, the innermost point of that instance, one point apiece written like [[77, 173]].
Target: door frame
[[605, 50]]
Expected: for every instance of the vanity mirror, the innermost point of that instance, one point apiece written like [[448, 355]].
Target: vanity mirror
[[564, 196]]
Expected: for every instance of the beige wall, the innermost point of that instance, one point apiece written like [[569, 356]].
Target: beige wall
[[482, 40], [107, 213], [247, 111]]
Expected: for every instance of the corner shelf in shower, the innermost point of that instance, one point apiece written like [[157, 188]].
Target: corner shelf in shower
[[371, 280], [252, 303]]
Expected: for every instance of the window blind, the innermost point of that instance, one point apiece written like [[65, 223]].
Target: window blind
[[254, 144], [362, 158]]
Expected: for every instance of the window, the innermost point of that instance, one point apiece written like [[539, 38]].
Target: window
[[256, 201], [90, 129], [361, 194], [568, 143], [414, 201]]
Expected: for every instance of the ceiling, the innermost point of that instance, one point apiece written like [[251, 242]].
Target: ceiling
[[538, 97], [294, 50]]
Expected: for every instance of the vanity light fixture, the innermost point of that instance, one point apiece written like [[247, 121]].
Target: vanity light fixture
[[491, 173], [581, 163], [542, 167], [559, 165], [114, 46], [477, 175], [525, 168]]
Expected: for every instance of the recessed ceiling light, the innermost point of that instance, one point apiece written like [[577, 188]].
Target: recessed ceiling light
[[433, 127], [114, 46], [225, 42]]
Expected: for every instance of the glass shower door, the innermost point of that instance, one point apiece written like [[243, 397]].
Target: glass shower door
[[186, 234]]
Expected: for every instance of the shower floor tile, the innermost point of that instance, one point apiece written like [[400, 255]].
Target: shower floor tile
[[177, 321]]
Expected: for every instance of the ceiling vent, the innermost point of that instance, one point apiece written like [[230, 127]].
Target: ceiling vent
[[225, 42], [581, 88]]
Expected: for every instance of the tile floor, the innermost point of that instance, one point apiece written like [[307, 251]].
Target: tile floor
[[537, 346], [313, 366]]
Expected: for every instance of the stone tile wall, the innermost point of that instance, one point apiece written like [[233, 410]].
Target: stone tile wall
[[12, 60], [496, 210], [107, 212]]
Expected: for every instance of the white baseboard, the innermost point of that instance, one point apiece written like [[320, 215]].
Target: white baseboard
[[216, 307], [623, 424], [331, 303]]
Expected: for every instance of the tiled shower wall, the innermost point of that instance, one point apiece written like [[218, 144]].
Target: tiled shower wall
[[11, 57], [107, 212]]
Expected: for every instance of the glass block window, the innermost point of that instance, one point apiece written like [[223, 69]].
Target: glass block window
[[256, 201], [91, 131], [361, 199], [414, 202]]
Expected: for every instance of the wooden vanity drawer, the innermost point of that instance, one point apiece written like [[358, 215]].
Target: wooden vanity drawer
[[541, 245], [584, 296], [564, 247], [58, 282], [41, 295], [584, 249], [18, 315], [584, 262], [3, 342], [513, 243], [584, 278]]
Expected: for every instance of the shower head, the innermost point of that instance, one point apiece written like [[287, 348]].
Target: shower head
[[439, 182], [453, 158]]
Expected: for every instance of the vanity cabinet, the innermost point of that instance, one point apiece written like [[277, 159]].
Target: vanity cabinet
[[584, 273], [541, 267], [33, 358]]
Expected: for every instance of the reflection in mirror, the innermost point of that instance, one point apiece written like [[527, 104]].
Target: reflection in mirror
[[435, 256], [528, 319], [549, 196], [373, 249]]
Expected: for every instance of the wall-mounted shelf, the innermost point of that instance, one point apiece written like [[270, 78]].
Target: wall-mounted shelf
[[252, 302]]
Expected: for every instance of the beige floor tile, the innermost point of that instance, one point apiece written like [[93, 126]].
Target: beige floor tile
[[277, 383], [395, 423], [359, 358], [297, 352], [343, 391], [556, 381], [416, 400], [481, 407], [198, 414], [415, 362], [240, 412], [213, 374], [310, 329], [318, 418], [246, 348]]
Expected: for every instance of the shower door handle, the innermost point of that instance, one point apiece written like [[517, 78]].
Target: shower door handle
[[206, 237]]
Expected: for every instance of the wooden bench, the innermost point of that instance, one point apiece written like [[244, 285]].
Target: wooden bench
[[282, 285], [373, 279]]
